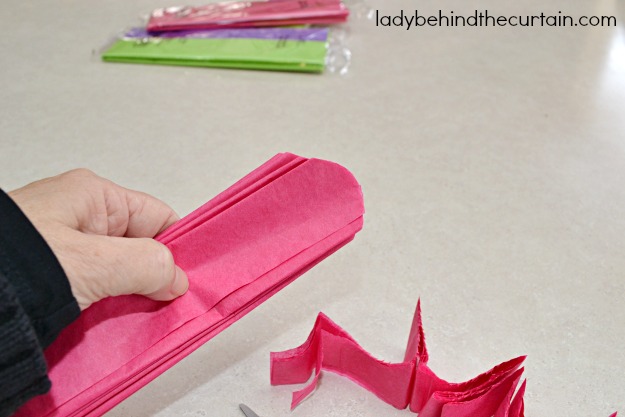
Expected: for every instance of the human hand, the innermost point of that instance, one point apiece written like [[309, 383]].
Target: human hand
[[101, 234]]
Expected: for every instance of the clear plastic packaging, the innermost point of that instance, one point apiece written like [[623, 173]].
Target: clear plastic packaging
[[303, 48], [248, 14]]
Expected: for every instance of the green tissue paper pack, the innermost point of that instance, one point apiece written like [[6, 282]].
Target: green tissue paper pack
[[244, 53]]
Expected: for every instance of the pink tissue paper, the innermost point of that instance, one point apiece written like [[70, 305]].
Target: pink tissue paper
[[410, 383], [238, 249], [248, 14]]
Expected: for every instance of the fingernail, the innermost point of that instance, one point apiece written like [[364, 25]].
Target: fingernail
[[181, 283]]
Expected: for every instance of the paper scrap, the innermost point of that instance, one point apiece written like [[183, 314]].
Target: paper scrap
[[410, 383], [248, 14], [238, 250]]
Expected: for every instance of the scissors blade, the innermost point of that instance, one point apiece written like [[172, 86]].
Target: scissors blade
[[247, 411]]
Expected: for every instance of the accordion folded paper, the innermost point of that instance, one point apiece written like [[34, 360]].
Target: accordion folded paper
[[248, 14], [243, 53], [406, 384], [410, 383], [238, 250]]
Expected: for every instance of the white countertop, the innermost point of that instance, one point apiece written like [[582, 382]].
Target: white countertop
[[492, 162]]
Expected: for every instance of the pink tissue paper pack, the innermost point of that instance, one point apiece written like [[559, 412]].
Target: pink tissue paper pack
[[238, 249], [410, 383], [248, 14]]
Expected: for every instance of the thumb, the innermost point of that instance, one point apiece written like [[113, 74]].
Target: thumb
[[146, 267], [120, 265]]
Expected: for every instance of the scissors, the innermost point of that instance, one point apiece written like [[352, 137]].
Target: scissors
[[247, 411]]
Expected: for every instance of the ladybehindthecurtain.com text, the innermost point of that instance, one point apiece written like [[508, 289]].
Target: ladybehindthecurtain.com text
[[484, 19]]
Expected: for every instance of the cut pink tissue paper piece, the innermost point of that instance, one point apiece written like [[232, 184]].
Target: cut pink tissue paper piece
[[410, 383], [238, 250]]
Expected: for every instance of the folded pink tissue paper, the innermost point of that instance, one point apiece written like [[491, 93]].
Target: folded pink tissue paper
[[235, 14], [410, 383], [238, 249]]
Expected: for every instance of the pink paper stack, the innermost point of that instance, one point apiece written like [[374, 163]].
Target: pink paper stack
[[248, 14], [238, 249]]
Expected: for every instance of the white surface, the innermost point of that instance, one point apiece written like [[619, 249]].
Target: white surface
[[492, 162]]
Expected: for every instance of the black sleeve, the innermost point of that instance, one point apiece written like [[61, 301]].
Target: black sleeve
[[36, 303]]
